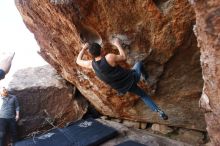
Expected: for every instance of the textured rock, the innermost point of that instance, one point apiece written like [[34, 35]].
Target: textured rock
[[143, 125], [116, 120], [209, 144], [190, 136], [158, 32], [161, 128], [131, 124], [104, 117], [208, 29], [141, 136], [45, 98]]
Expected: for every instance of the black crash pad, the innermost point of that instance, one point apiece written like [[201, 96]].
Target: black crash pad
[[130, 143], [81, 133]]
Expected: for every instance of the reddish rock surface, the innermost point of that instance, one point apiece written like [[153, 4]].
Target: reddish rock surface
[[45, 98], [158, 32], [208, 29]]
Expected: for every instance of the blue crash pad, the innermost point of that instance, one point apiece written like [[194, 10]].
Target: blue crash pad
[[130, 143], [81, 133]]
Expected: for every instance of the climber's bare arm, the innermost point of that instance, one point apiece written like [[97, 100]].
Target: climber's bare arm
[[122, 55], [80, 61], [113, 59], [5, 64]]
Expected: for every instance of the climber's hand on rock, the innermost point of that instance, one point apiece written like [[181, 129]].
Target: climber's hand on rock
[[116, 42], [85, 46]]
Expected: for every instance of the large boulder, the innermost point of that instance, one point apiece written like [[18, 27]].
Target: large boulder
[[46, 100], [157, 32], [207, 30]]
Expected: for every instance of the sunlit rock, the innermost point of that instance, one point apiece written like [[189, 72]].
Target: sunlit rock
[[46, 100]]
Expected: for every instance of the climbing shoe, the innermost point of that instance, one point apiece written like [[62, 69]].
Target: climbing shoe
[[162, 115], [145, 76]]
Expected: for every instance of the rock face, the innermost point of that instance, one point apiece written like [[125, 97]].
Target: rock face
[[158, 32], [45, 98], [190, 136], [207, 30], [140, 136], [161, 128]]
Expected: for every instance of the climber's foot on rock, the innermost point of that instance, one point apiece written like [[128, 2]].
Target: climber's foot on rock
[[162, 115]]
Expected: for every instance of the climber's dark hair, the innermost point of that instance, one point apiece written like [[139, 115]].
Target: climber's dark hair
[[95, 50]]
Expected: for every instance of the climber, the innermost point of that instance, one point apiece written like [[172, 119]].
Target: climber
[[5, 65], [109, 71]]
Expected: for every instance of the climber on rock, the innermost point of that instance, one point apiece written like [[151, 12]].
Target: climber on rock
[[5, 65], [109, 71]]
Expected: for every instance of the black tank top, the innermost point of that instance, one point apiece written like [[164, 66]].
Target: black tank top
[[117, 77]]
